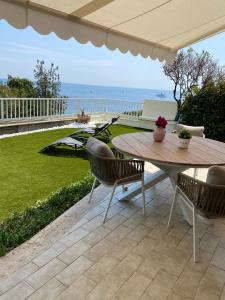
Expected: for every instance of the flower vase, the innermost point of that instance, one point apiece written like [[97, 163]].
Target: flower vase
[[184, 143], [159, 134]]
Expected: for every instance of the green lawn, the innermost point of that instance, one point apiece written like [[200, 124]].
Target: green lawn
[[28, 176]]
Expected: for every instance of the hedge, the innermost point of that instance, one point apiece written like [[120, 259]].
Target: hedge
[[20, 227], [206, 107]]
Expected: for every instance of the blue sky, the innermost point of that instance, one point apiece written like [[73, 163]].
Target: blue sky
[[86, 64]]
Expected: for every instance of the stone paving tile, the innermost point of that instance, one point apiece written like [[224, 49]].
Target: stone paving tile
[[97, 235], [48, 291], [118, 234], [212, 283], [99, 250], [187, 285], [18, 276], [129, 257], [97, 210], [100, 269], [113, 211], [115, 222], [208, 242], [174, 296], [174, 261], [217, 229], [73, 252], [77, 290], [133, 287], [186, 244], [74, 236], [93, 223], [152, 220], [120, 250], [138, 233], [78, 224], [179, 229], [150, 265], [222, 297], [74, 270], [218, 259], [19, 292], [127, 266], [145, 246], [158, 232], [134, 221], [48, 255], [106, 288], [160, 287], [167, 244], [44, 274], [129, 211]]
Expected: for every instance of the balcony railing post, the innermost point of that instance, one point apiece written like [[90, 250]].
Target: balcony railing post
[[2, 109], [47, 108]]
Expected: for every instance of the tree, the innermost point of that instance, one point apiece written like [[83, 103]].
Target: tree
[[191, 69], [47, 80], [21, 87], [206, 107], [5, 91]]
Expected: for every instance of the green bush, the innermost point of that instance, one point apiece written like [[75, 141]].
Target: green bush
[[21, 226], [206, 107], [185, 134]]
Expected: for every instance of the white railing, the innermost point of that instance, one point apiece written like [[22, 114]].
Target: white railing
[[23, 108]]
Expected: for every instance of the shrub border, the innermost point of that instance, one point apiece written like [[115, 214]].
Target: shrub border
[[20, 227]]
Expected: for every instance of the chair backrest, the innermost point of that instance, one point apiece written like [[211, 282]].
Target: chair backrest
[[209, 199], [195, 130], [154, 108], [101, 158], [103, 127]]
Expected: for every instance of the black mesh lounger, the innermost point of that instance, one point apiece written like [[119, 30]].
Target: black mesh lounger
[[76, 140], [68, 141], [101, 130]]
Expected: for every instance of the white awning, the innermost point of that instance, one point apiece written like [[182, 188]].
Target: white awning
[[151, 28]]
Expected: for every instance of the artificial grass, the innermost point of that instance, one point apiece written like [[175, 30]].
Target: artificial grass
[[27, 176]]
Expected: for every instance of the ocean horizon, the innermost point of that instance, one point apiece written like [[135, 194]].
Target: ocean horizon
[[87, 92], [74, 90]]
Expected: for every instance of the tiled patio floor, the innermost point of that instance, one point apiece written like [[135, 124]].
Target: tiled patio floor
[[129, 257]]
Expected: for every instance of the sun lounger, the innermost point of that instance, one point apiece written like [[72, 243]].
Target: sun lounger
[[68, 141], [102, 130], [78, 139]]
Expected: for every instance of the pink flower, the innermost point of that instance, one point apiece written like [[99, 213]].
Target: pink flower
[[161, 122]]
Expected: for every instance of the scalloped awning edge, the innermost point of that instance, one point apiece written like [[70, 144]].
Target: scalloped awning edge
[[44, 22]]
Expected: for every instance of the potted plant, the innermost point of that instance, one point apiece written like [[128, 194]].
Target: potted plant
[[83, 118], [184, 138], [159, 132]]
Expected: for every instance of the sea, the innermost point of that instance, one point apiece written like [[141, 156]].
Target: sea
[[113, 92], [95, 92], [86, 93]]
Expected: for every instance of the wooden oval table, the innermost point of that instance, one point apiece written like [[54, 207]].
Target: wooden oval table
[[202, 153]]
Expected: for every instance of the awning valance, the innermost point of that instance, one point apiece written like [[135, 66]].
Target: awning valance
[[151, 28]]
